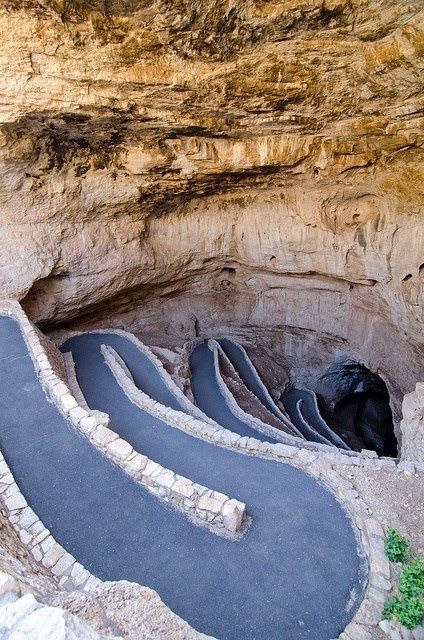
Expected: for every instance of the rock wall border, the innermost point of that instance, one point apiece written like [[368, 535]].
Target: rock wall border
[[38, 539], [324, 425], [320, 464], [289, 452], [211, 506], [235, 408], [203, 505], [167, 379], [191, 409], [242, 395], [312, 433], [285, 419], [369, 531]]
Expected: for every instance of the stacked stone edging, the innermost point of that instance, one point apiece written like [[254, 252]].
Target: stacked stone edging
[[235, 408], [284, 418], [308, 427], [202, 504], [227, 371], [210, 506], [247, 400], [320, 464], [324, 424], [53, 354], [254, 446], [166, 378], [38, 539], [370, 532], [71, 378]]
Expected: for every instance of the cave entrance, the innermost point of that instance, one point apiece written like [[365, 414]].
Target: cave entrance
[[361, 412]]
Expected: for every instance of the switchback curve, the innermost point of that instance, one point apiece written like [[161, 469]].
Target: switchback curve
[[299, 555]]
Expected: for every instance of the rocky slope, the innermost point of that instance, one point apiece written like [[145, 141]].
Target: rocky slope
[[241, 165]]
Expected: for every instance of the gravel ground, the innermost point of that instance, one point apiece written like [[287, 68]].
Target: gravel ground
[[395, 498]]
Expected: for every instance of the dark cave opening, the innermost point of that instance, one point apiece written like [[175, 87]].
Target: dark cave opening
[[360, 407]]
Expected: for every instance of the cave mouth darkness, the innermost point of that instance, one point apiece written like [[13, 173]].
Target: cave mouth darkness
[[359, 409]]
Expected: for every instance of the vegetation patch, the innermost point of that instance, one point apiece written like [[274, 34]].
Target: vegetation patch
[[407, 606], [396, 546]]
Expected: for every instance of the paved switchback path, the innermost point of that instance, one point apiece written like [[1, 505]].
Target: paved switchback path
[[289, 577], [309, 413], [209, 397], [238, 359]]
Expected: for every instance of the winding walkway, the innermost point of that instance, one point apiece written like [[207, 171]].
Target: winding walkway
[[315, 428], [245, 368], [299, 403], [290, 576], [209, 397]]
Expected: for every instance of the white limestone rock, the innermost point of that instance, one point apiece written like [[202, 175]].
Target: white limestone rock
[[9, 589], [233, 513], [13, 612]]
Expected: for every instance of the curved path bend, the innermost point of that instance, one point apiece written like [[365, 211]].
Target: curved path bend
[[209, 397], [249, 375], [309, 412], [318, 429], [290, 576]]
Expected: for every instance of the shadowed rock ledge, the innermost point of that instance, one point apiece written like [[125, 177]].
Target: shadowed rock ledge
[[248, 166]]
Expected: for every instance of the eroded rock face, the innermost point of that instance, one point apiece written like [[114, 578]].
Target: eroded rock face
[[412, 425], [200, 167]]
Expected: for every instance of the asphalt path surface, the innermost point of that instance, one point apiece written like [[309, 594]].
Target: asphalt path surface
[[209, 398], [238, 359], [290, 576], [308, 409], [310, 415]]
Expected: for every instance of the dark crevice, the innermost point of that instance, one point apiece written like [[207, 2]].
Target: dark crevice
[[356, 405]]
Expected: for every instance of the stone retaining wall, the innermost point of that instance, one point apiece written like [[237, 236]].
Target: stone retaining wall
[[211, 506], [54, 356], [312, 433], [321, 464], [37, 538], [202, 504], [291, 453], [71, 378], [321, 420], [247, 400], [247, 418], [283, 417], [322, 468], [188, 406]]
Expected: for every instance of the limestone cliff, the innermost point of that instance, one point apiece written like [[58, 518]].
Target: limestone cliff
[[243, 164]]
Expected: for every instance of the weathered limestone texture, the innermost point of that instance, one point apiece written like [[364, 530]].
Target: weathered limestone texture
[[245, 167], [412, 425], [21, 616]]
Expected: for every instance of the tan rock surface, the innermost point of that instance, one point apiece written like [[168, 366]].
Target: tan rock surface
[[249, 166]]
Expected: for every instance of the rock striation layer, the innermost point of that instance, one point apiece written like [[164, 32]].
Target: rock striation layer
[[253, 167]]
